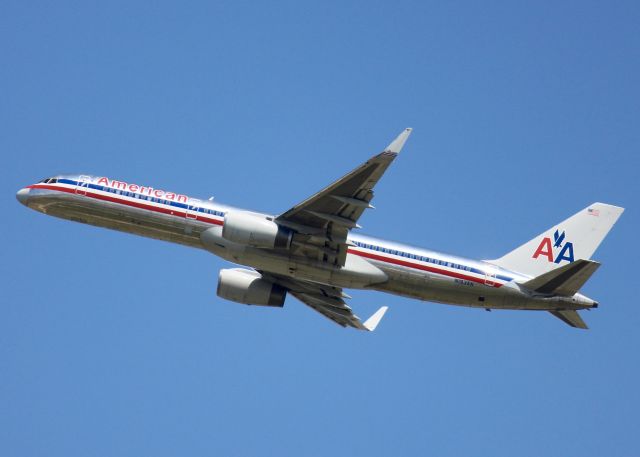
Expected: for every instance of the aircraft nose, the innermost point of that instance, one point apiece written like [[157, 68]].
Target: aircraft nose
[[23, 196]]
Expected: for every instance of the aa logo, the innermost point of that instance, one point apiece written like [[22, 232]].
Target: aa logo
[[546, 249]]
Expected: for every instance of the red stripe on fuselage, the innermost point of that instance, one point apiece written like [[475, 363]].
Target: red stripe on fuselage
[[430, 269], [108, 198]]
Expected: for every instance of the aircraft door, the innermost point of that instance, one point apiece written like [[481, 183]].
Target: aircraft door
[[490, 276], [83, 185], [192, 208], [191, 214]]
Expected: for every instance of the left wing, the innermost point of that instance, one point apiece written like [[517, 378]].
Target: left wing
[[323, 221], [328, 301]]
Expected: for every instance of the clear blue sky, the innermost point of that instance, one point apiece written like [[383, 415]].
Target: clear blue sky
[[523, 113]]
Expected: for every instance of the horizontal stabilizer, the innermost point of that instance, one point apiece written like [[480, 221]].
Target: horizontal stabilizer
[[564, 281], [570, 317]]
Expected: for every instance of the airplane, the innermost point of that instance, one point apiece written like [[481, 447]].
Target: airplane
[[311, 252]]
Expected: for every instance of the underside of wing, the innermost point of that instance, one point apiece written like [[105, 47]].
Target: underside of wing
[[322, 222]]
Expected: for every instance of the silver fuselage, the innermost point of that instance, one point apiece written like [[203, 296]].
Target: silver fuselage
[[408, 271]]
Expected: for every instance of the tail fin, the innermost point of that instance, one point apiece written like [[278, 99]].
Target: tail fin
[[575, 238]]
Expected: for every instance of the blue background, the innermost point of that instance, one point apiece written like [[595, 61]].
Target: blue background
[[523, 113]]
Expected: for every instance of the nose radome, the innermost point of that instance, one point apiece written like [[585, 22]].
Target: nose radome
[[23, 196]]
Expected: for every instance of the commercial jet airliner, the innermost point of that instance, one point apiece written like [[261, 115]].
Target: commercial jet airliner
[[311, 253]]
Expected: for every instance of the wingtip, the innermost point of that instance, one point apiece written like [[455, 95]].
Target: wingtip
[[375, 319], [397, 144]]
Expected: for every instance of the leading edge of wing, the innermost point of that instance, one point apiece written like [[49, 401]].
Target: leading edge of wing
[[353, 190]]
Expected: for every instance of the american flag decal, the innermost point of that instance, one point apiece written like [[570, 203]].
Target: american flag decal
[[593, 212]]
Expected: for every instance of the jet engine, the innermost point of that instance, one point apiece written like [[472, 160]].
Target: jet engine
[[256, 230], [250, 288]]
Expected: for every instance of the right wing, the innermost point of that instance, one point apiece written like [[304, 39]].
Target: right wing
[[328, 301]]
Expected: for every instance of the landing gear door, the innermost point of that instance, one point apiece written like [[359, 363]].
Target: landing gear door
[[83, 184]]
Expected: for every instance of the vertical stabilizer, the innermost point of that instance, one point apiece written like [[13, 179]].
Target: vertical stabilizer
[[575, 238]]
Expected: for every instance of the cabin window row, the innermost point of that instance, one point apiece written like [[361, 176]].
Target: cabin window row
[[207, 211], [160, 200], [408, 255]]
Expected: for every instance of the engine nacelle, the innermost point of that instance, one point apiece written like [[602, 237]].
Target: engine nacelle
[[255, 230], [249, 288]]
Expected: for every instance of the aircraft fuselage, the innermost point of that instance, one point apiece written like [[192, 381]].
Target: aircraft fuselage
[[371, 263]]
